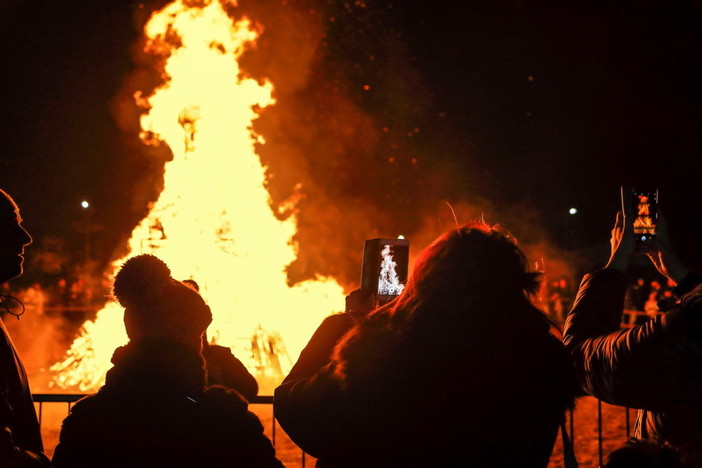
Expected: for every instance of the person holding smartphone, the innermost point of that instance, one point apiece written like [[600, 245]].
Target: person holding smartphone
[[656, 366], [459, 370]]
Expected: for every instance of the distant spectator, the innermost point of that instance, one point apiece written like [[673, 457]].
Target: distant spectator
[[651, 305], [637, 295], [223, 368]]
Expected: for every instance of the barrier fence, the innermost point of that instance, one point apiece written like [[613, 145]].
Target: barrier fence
[[582, 439]]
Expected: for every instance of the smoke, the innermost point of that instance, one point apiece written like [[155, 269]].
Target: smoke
[[348, 145], [339, 141]]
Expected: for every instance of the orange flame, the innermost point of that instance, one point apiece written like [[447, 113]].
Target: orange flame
[[213, 222]]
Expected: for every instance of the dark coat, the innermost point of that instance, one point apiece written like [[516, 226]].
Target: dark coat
[[154, 410], [223, 368], [17, 408], [655, 367], [449, 396]]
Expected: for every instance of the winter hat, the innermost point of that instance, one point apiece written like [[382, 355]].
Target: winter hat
[[156, 305]]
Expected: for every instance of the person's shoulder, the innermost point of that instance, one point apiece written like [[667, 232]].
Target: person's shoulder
[[226, 398], [341, 318], [336, 324], [84, 417], [86, 403], [227, 408], [214, 350]]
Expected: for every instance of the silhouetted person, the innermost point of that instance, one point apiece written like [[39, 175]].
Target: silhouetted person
[[223, 368], [637, 295], [655, 366], [460, 370], [20, 439], [647, 453], [154, 409]]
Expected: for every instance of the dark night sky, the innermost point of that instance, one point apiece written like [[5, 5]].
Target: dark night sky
[[525, 103]]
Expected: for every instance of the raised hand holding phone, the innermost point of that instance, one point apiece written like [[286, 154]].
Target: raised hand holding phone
[[359, 303], [644, 207]]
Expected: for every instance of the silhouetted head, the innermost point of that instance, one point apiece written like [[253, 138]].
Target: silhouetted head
[[472, 264], [13, 239], [471, 281], [156, 305]]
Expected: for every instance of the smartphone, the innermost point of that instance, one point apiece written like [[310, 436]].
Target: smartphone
[[384, 269], [644, 206]]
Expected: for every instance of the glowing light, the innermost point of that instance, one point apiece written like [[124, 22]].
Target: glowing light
[[389, 283], [85, 204], [400, 236], [573, 211], [213, 221]]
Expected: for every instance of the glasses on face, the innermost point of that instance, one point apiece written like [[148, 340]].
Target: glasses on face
[[11, 305]]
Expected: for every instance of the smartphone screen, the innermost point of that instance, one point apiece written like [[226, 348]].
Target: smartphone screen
[[645, 206], [385, 265]]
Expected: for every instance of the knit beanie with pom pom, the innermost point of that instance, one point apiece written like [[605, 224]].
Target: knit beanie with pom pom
[[156, 305]]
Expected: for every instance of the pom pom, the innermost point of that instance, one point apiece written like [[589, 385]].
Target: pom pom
[[141, 280]]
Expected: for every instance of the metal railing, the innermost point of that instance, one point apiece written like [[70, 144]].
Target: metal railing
[[600, 434], [40, 399], [69, 398]]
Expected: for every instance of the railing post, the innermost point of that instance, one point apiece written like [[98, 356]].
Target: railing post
[[572, 426], [599, 431], [273, 431]]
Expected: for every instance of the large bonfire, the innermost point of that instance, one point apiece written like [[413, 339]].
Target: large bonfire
[[213, 221]]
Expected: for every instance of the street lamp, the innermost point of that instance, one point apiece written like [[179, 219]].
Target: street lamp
[[570, 221], [85, 204]]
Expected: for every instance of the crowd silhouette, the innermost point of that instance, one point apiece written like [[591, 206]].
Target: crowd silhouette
[[465, 331]]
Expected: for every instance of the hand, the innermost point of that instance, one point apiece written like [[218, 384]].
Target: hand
[[622, 242], [358, 304], [663, 255]]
